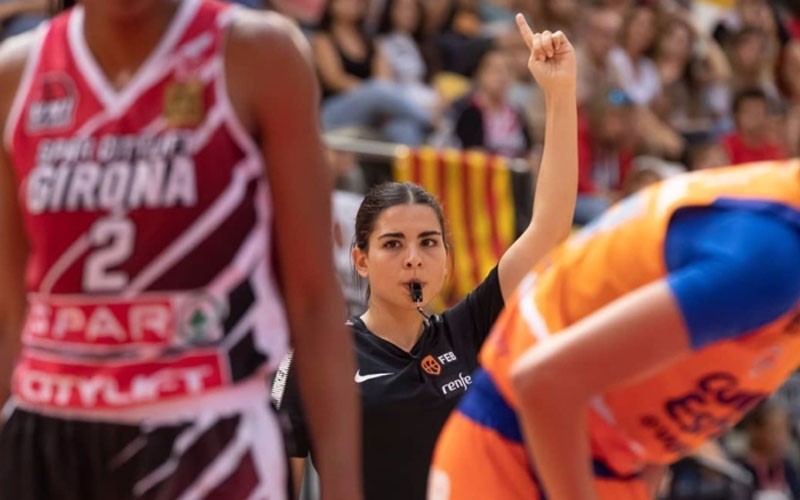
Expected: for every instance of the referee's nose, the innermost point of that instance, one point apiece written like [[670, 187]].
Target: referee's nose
[[413, 259]]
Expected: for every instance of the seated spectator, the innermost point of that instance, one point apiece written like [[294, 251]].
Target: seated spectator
[[485, 119], [768, 429], [462, 36], [639, 78], [750, 140], [632, 59], [694, 73], [599, 30], [401, 32], [605, 151], [356, 79]]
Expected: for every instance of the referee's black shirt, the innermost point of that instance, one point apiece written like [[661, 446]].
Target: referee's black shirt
[[407, 396]]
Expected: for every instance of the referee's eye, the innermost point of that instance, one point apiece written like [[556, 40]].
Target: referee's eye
[[392, 244], [429, 242]]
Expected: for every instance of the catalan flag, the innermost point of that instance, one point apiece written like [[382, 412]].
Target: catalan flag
[[474, 189]]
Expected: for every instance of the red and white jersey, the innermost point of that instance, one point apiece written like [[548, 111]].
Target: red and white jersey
[[150, 276]]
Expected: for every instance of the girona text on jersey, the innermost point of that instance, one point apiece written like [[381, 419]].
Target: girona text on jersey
[[117, 172]]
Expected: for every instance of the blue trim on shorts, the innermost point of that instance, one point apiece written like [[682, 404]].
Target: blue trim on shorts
[[484, 405]]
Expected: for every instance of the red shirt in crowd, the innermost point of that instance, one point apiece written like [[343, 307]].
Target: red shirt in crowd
[[739, 152]]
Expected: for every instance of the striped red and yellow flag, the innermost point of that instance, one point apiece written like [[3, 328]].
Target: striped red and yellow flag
[[474, 189]]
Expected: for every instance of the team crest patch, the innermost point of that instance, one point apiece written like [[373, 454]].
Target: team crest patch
[[183, 103], [430, 365], [53, 103], [201, 320]]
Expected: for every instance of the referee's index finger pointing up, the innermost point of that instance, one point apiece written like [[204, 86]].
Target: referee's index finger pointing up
[[525, 31]]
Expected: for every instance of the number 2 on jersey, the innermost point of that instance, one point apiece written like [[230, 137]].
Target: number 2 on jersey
[[112, 240]]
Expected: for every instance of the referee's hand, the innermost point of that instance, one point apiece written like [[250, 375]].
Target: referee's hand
[[552, 59]]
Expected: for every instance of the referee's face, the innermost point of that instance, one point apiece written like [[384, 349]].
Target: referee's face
[[406, 245]]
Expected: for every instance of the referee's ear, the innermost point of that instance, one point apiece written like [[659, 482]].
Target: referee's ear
[[359, 258]]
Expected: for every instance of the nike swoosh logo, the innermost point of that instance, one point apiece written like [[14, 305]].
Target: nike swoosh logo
[[363, 378]]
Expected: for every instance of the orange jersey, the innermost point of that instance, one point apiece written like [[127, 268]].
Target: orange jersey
[[658, 419]]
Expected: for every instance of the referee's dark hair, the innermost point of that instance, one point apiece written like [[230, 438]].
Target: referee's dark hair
[[387, 195]]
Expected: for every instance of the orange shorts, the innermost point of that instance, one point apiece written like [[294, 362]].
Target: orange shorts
[[473, 461]]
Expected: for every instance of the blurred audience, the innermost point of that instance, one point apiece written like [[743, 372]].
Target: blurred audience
[[356, 79], [694, 74], [768, 430]]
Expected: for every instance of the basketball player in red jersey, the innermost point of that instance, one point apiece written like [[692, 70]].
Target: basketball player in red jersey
[[161, 174]]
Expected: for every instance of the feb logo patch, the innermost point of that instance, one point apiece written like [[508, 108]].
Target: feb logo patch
[[430, 365]]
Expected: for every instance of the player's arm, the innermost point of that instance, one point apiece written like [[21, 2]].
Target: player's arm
[[13, 241], [552, 62], [268, 62], [727, 284], [556, 379], [298, 466]]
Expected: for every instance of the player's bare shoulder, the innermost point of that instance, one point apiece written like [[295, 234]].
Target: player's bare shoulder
[[267, 61], [14, 54], [271, 34]]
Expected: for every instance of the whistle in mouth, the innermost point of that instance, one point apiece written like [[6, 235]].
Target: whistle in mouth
[[416, 292]]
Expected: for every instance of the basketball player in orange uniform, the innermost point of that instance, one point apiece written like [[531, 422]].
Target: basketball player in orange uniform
[[648, 333]]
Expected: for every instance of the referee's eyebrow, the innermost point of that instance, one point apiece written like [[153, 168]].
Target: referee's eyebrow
[[392, 235], [424, 234]]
